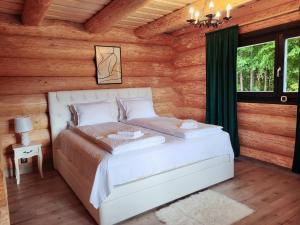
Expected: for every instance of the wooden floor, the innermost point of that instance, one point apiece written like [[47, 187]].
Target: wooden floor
[[274, 194]]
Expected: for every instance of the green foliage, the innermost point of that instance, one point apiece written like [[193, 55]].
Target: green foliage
[[293, 64], [255, 66]]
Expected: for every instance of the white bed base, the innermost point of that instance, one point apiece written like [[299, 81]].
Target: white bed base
[[136, 197]]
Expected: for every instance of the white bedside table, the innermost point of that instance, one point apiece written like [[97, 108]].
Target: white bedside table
[[20, 151]]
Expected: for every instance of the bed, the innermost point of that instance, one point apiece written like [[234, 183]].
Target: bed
[[132, 198]]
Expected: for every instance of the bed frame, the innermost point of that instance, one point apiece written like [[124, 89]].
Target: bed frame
[[136, 197]]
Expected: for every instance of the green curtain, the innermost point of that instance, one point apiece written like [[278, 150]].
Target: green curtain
[[221, 100], [296, 163]]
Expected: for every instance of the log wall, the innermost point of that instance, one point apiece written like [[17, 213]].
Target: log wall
[[4, 214], [60, 56], [267, 132], [36, 60]]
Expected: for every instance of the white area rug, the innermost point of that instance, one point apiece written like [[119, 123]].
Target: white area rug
[[205, 208]]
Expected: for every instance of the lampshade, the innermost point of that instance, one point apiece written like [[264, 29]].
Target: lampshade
[[23, 124]]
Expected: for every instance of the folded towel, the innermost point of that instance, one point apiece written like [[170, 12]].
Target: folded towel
[[125, 135], [189, 124], [119, 138], [130, 134]]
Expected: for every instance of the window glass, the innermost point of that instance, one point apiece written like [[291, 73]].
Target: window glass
[[292, 64], [255, 67]]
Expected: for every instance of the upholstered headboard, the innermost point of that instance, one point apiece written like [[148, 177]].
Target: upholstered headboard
[[59, 103]]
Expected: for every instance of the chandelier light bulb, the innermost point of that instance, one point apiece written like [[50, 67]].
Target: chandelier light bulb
[[197, 14], [228, 8], [218, 15], [191, 11], [211, 5]]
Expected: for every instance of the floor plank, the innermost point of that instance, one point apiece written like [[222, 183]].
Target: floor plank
[[271, 191]]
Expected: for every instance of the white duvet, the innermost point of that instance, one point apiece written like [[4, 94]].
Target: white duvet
[[172, 126], [174, 153]]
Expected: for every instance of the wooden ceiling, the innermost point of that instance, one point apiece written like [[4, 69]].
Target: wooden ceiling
[[147, 17], [80, 11]]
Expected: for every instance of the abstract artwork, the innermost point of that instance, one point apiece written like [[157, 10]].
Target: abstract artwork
[[108, 61]]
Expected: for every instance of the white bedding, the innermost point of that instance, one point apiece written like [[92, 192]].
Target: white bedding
[[106, 136], [172, 126], [174, 153]]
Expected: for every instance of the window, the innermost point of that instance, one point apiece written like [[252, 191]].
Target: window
[[255, 67], [268, 66]]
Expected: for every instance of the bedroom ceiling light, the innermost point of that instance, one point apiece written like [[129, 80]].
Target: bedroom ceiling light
[[213, 19]]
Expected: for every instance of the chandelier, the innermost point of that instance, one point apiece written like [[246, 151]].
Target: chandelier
[[212, 19]]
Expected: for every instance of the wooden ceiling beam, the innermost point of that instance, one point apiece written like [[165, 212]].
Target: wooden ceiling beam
[[34, 11], [112, 14], [177, 19]]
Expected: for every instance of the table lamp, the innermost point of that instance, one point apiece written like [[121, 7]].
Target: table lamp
[[22, 126]]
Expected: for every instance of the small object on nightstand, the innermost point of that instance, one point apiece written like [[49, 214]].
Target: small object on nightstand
[[20, 151], [22, 126]]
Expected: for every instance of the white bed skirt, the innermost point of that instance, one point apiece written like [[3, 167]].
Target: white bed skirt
[[136, 197]]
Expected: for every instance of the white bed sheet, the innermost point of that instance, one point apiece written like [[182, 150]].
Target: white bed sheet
[[174, 153]]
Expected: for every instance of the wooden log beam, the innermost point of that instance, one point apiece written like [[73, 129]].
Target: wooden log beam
[[32, 85], [267, 157], [268, 109], [13, 105], [190, 87], [77, 68], [190, 113], [191, 57], [177, 19], [190, 73], [190, 41], [113, 13], [165, 94], [34, 11], [269, 124], [10, 25], [267, 142], [164, 108], [194, 101], [45, 48]]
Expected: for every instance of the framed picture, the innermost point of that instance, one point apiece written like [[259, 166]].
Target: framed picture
[[108, 62]]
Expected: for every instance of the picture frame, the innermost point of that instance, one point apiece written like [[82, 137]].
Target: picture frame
[[108, 64]]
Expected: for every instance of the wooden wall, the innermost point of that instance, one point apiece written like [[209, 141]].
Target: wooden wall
[[267, 132], [60, 56], [4, 215]]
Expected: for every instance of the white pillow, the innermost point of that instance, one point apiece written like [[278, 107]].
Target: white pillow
[[94, 113], [122, 111], [137, 108]]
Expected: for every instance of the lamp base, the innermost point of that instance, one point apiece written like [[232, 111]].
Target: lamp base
[[25, 139]]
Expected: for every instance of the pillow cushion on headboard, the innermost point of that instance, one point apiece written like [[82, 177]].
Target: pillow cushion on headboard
[[134, 108], [60, 101], [92, 113]]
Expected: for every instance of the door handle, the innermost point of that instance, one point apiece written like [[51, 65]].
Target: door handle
[[278, 71]]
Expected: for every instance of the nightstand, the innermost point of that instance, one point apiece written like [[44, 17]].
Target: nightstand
[[20, 151]]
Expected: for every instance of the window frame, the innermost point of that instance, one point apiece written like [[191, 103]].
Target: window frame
[[278, 34]]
